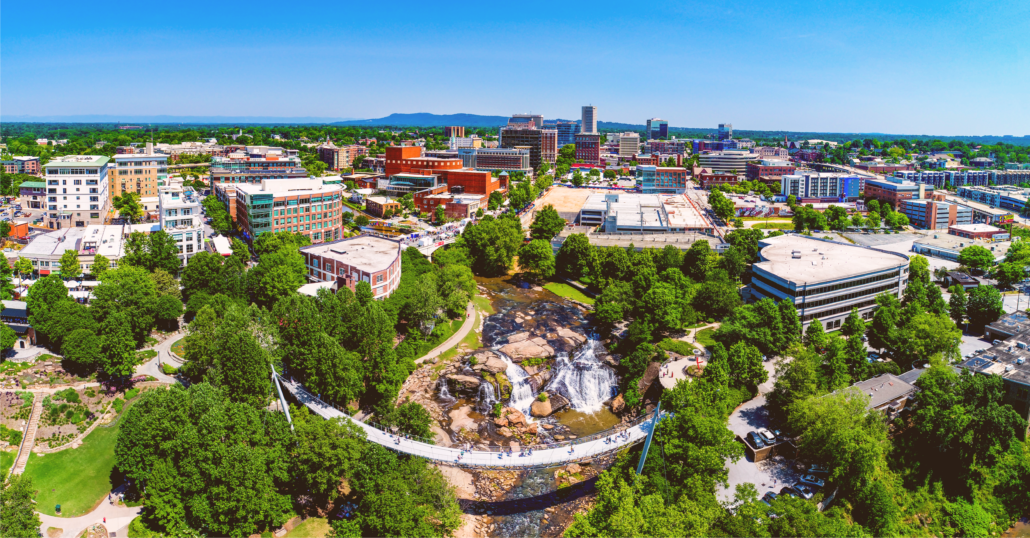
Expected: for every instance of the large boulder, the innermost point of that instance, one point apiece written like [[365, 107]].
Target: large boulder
[[558, 402], [460, 419], [541, 409], [463, 383], [538, 379], [495, 365], [571, 337], [618, 404], [653, 369], [528, 348], [514, 416]]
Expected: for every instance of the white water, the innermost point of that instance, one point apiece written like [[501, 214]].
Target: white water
[[445, 393], [487, 397], [583, 379], [521, 391]]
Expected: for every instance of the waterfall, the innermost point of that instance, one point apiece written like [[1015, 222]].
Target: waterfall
[[521, 391], [583, 379], [487, 398], [444, 393]]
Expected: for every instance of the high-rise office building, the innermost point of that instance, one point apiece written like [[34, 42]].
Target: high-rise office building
[[542, 143], [589, 120], [457, 131], [725, 131], [567, 131], [657, 128], [527, 121], [629, 145]]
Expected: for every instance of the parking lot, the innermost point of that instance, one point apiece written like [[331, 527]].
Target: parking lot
[[769, 475]]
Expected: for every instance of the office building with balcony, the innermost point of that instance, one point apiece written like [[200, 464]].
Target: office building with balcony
[[934, 214], [77, 191], [243, 168], [725, 131], [182, 218], [22, 165], [816, 187], [588, 148], [503, 159], [542, 143], [141, 173], [662, 179], [657, 128], [766, 152], [305, 206], [734, 162], [359, 259], [826, 279], [338, 158]]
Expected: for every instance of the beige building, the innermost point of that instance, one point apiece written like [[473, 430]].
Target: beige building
[[141, 173]]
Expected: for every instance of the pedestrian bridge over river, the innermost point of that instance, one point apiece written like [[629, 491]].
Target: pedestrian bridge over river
[[540, 456]]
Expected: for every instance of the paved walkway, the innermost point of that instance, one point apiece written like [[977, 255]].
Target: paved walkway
[[672, 372], [470, 322], [118, 519], [153, 368], [691, 336], [541, 456]]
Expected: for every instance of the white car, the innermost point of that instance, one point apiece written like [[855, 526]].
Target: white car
[[767, 436], [814, 480]]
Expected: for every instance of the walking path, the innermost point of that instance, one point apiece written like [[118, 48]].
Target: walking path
[[462, 332], [541, 456], [691, 336], [118, 519], [29, 439]]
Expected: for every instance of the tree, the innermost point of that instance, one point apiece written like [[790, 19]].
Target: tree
[[23, 266], [957, 304], [163, 253], [70, 267], [698, 260], [926, 335], [326, 450], [129, 291], [276, 275], [746, 367], [6, 284], [543, 182], [721, 205], [815, 336], [574, 256], [537, 259], [492, 244], [100, 264], [983, 306], [7, 337], [734, 262], [128, 206], [18, 515], [546, 223], [976, 257], [495, 201], [1008, 274], [423, 308], [361, 220], [81, 351], [439, 215], [117, 346], [412, 419], [853, 325], [43, 302], [521, 196], [169, 309]]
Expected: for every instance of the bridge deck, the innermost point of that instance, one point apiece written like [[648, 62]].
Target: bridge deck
[[565, 452]]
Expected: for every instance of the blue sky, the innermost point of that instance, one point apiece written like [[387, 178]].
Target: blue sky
[[916, 67]]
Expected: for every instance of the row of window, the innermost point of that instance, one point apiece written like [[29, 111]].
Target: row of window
[[848, 296], [840, 310], [824, 289]]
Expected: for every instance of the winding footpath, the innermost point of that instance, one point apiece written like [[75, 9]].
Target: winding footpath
[[458, 336], [540, 457], [118, 519]]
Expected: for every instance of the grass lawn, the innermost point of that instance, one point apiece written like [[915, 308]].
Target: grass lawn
[[774, 226], [471, 341], [562, 289], [76, 478], [312, 527], [6, 461], [483, 304], [179, 347], [705, 337]]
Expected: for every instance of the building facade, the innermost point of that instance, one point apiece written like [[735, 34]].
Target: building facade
[[629, 145], [657, 128], [455, 131], [77, 191], [894, 190], [338, 158], [505, 160], [567, 131], [347, 262], [22, 165], [588, 148], [984, 232], [141, 173], [815, 187], [241, 168], [542, 143], [767, 170], [662, 180], [734, 162], [182, 218], [725, 131], [826, 279], [589, 120], [305, 206], [935, 215]]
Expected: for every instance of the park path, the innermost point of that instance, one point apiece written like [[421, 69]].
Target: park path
[[691, 336], [118, 519], [458, 336], [29, 438]]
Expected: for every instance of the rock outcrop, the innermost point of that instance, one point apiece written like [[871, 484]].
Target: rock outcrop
[[526, 348], [495, 365], [618, 404], [460, 419], [541, 409], [653, 369], [459, 383]]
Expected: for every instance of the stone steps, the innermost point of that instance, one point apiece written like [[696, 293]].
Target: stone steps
[[29, 440]]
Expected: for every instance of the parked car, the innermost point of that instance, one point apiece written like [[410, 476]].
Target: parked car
[[814, 480], [767, 436], [804, 491], [769, 497], [755, 440], [788, 492], [818, 469], [779, 435]]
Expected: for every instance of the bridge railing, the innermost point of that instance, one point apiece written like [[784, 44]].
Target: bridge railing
[[487, 448]]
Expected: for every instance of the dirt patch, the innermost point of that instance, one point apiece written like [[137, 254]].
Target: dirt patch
[[567, 202]]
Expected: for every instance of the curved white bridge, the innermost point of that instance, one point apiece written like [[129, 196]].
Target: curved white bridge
[[536, 456]]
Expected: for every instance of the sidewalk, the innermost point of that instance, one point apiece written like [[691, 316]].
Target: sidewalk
[[118, 519], [470, 322]]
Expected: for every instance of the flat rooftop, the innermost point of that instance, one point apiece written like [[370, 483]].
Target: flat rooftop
[[78, 160], [983, 208], [975, 228], [367, 253], [288, 187], [884, 388], [956, 243], [94, 239], [804, 259], [683, 214]]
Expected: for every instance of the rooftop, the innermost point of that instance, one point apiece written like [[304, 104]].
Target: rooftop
[[975, 228], [1009, 359], [288, 187], [956, 243], [95, 239], [78, 160], [368, 253], [804, 259], [884, 389]]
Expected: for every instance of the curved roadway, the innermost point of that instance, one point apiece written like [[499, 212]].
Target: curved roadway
[[566, 452]]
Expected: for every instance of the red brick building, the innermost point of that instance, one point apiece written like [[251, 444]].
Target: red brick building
[[706, 178], [338, 158], [588, 148], [886, 169], [976, 231], [359, 259], [646, 159], [411, 160], [769, 173]]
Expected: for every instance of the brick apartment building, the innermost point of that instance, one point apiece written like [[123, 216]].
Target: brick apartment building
[[378, 206], [359, 259], [934, 214], [542, 143], [338, 158], [588, 147], [985, 232], [767, 172], [411, 160], [706, 178], [893, 190], [22, 165]]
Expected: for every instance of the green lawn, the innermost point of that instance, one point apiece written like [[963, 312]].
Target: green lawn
[[75, 478], [6, 461], [312, 527], [471, 341], [178, 347], [562, 289], [705, 337], [774, 226], [483, 304]]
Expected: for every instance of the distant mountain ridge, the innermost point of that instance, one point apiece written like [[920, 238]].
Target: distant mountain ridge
[[159, 118], [426, 119]]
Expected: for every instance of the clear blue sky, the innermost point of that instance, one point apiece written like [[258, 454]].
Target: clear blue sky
[[915, 67]]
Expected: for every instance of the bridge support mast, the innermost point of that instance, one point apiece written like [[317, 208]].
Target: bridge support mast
[[282, 401], [650, 436]]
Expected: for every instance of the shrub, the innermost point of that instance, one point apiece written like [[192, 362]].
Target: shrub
[[496, 411], [542, 397], [118, 405], [168, 369], [677, 346], [131, 393], [68, 395]]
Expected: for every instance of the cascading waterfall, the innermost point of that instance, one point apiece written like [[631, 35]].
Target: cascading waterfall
[[487, 396], [521, 391], [583, 379], [444, 394]]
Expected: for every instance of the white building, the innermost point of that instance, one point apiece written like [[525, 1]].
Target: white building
[[76, 191], [589, 120], [629, 145], [45, 250], [181, 218], [726, 162]]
